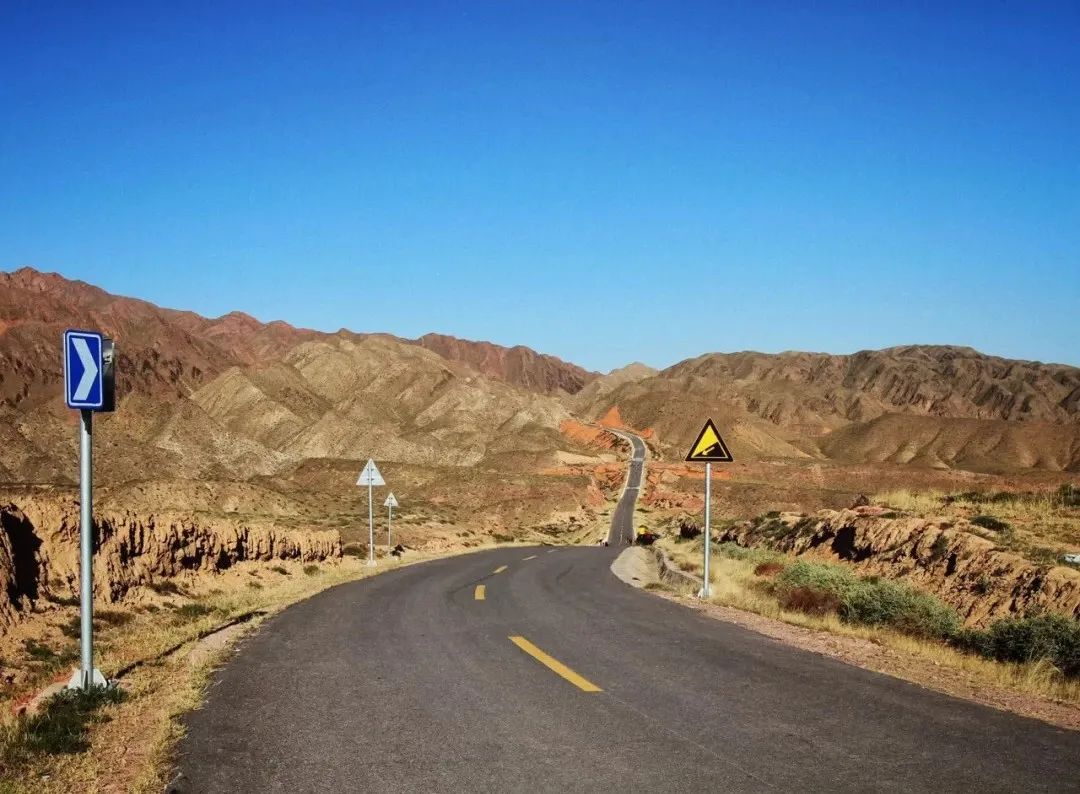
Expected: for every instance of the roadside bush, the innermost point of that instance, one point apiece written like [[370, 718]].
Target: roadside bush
[[1053, 637], [991, 523], [871, 601], [357, 550], [768, 568], [809, 601], [880, 602], [311, 570], [831, 578]]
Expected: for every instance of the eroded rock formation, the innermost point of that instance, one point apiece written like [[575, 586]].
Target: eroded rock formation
[[982, 581], [39, 550]]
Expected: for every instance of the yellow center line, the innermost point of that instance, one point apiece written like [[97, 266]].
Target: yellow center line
[[529, 558], [555, 665], [481, 591], [500, 569]]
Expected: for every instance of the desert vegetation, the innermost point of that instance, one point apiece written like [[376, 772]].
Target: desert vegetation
[[1036, 654], [1040, 524]]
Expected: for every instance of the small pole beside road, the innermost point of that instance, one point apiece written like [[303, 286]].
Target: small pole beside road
[[390, 503], [708, 449], [705, 588], [89, 386], [370, 477]]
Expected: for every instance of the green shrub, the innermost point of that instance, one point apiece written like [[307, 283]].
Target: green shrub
[[832, 578], [280, 569], [991, 523], [311, 570], [940, 547], [354, 550], [1053, 637], [871, 601], [880, 602]]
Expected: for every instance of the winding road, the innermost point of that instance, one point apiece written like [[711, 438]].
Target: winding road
[[535, 669]]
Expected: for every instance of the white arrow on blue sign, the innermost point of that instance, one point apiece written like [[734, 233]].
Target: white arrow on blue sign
[[83, 370]]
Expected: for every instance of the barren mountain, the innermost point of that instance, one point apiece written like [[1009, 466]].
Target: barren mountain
[[519, 366], [597, 388], [163, 352], [233, 398], [810, 404]]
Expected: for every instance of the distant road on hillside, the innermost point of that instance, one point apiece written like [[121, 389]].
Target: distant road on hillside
[[622, 523]]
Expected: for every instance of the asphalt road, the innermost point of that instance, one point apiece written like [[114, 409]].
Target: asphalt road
[[407, 682]]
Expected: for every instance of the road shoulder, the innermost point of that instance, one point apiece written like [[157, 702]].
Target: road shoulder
[[856, 651]]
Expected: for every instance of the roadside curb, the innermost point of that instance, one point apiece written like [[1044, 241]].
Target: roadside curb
[[673, 576]]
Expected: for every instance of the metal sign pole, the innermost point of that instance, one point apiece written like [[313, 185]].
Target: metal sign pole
[[370, 525], [708, 530], [86, 548], [389, 523]]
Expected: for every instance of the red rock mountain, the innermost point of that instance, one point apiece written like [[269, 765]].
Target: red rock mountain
[[520, 366]]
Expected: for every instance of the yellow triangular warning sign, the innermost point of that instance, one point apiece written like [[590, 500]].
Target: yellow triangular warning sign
[[709, 447]]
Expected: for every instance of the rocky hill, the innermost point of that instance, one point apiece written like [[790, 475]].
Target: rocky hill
[[929, 405], [519, 366], [232, 398]]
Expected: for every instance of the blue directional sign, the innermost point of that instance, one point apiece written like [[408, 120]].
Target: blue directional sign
[[83, 370]]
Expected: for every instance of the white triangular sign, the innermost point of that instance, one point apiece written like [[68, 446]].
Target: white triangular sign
[[370, 475], [391, 501]]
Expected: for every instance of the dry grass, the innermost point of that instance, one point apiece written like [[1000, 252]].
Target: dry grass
[[734, 584], [1039, 524]]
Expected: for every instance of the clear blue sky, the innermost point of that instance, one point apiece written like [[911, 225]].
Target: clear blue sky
[[602, 181]]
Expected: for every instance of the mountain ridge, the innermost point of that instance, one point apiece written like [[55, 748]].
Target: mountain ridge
[[236, 397]]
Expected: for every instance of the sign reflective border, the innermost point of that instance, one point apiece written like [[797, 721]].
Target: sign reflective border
[[709, 447], [83, 370]]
